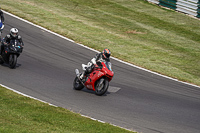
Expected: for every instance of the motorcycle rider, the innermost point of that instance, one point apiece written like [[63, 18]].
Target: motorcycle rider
[[100, 57], [13, 35]]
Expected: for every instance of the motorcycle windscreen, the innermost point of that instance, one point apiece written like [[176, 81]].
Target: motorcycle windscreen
[[108, 65]]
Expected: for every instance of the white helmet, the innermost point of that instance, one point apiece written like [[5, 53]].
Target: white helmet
[[14, 32]]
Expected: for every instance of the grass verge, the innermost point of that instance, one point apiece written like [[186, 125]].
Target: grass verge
[[135, 31], [19, 114]]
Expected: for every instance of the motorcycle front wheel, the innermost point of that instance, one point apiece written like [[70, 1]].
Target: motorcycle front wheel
[[101, 86], [77, 84], [12, 60]]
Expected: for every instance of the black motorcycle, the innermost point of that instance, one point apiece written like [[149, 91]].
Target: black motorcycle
[[11, 52]]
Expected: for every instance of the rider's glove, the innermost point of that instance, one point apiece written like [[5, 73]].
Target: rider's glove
[[6, 43], [93, 61]]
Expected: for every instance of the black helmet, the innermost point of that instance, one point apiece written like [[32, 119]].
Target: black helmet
[[106, 53]]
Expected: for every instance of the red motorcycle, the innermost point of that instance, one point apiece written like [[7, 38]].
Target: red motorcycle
[[98, 80]]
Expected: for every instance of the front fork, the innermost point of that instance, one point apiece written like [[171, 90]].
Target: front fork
[[78, 76], [100, 84]]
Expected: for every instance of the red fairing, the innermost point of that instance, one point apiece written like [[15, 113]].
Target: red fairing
[[96, 74]]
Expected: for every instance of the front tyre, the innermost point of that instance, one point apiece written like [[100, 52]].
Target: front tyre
[[77, 84], [101, 86], [12, 61]]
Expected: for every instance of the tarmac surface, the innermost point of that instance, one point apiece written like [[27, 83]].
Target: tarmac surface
[[137, 100]]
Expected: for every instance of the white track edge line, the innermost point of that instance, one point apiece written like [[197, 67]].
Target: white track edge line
[[89, 49], [98, 51], [20, 93]]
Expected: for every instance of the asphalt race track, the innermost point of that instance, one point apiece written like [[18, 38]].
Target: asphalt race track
[[136, 99]]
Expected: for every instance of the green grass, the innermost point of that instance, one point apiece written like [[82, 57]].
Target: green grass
[[135, 31], [19, 114]]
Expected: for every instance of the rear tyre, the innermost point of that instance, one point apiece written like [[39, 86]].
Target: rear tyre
[[77, 84], [12, 60], [101, 88], [1, 61]]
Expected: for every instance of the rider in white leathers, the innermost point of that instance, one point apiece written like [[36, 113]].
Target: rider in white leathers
[[100, 57]]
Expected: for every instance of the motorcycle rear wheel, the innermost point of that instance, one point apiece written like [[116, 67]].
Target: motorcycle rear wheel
[[1, 61], [77, 84], [12, 61], [102, 88]]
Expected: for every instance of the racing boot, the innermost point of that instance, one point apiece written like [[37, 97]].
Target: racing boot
[[82, 77]]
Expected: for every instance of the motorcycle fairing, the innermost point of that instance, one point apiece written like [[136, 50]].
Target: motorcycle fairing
[[92, 78]]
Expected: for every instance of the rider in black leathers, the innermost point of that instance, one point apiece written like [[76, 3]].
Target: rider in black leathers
[[100, 57], [13, 35]]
